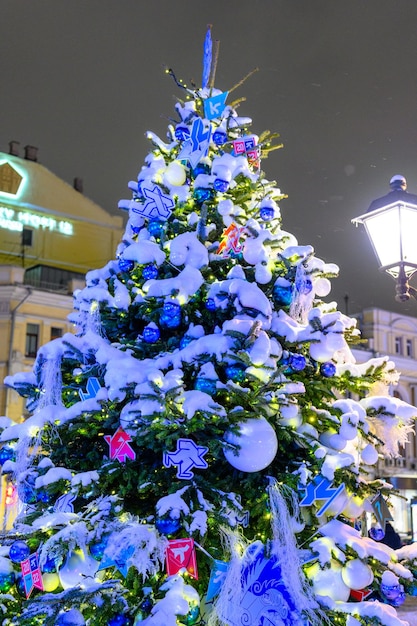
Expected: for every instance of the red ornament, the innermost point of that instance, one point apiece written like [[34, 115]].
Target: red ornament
[[180, 554], [119, 447]]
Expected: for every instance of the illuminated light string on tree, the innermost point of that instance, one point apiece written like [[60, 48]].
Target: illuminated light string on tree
[[198, 438]]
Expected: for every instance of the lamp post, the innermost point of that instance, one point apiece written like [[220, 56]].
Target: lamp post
[[391, 225]]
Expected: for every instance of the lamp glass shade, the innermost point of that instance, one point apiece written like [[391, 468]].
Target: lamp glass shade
[[392, 231]]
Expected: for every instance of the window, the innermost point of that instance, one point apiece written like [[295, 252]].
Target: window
[[32, 339], [27, 237], [409, 347], [398, 345], [55, 332]]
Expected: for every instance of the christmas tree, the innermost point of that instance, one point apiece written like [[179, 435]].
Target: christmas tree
[[202, 450]]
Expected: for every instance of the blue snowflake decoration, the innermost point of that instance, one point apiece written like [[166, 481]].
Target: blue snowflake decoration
[[156, 205]]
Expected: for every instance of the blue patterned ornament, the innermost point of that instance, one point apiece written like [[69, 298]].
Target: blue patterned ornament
[[201, 168], [219, 137], [19, 551], [98, 548], [192, 616], [297, 362], [167, 525], [156, 228], [210, 304], [151, 333], [185, 341], [49, 566], [6, 454], [391, 592], [125, 265], [328, 369], [27, 492], [267, 213], [149, 272], [376, 533], [236, 372], [206, 385], [282, 294], [42, 495], [400, 599], [170, 322], [203, 194], [221, 185], [182, 132], [146, 605], [69, 618]]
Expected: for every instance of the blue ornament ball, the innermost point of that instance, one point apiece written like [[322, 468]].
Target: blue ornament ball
[[267, 213], [119, 620], [170, 322], [328, 369], [185, 341], [149, 272], [236, 372], [399, 600], [376, 533], [42, 495], [151, 333], [219, 137], [182, 132], [203, 194], [391, 592], [125, 265], [6, 454], [297, 362], [171, 309], [20, 586], [49, 566], [146, 605], [7, 580], [156, 228], [192, 616], [167, 525], [206, 385], [221, 185], [201, 168], [19, 551], [27, 492], [97, 549], [210, 304], [282, 294], [70, 618]]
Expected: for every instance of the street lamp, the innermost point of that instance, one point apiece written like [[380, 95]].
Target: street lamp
[[391, 225]]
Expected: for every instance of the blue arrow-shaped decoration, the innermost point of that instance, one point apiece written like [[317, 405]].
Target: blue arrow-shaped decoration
[[93, 387], [381, 510], [321, 489]]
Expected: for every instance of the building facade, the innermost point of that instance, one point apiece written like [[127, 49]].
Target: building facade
[[394, 335], [50, 236]]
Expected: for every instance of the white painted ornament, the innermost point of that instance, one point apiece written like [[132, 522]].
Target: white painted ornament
[[175, 174], [78, 568], [356, 574], [258, 445], [328, 582]]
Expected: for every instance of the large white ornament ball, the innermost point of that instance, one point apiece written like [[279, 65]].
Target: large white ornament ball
[[76, 569], [322, 287], [257, 443], [357, 575], [328, 582], [175, 174]]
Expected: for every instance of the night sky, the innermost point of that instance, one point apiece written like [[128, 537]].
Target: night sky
[[83, 80]]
